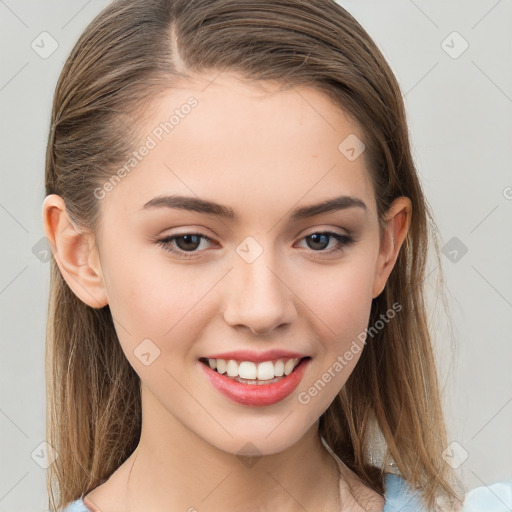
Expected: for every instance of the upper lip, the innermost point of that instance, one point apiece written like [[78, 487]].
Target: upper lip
[[257, 357]]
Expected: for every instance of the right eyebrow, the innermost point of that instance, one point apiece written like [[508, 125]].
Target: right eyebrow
[[192, 204]]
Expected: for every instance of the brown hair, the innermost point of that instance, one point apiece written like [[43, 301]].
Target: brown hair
[[133, 50]]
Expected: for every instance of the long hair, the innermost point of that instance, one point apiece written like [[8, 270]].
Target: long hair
[[133, 50]]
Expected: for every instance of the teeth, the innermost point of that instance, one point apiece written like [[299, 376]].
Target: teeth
[[289, 366], [266, 370], [279, 368], [248, 370], [221, 365]]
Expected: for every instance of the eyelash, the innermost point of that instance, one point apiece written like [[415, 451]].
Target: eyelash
[[344, 242]]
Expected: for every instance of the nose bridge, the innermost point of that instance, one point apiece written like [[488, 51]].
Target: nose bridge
[[259, 297]]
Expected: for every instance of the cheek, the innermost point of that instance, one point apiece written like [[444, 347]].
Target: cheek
[[347, 301], [341, 310], [341, 299], [154, 302]]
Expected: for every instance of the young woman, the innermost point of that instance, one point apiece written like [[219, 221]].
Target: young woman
[[237, 316]]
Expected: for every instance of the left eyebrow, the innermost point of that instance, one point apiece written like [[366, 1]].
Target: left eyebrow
[[337, 203], [203, 206]]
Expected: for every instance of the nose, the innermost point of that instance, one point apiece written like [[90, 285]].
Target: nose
[[259, 298]]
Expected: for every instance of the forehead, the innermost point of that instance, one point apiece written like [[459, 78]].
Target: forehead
[[252, 146]]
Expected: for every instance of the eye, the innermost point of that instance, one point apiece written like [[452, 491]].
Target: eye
[[186, 243], [319, 241]]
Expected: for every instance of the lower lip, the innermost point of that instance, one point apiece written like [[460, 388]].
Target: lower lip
[[256, 394]]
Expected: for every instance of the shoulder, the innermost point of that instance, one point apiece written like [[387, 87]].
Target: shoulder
[[76, 506], [496, 497], [400, 496]]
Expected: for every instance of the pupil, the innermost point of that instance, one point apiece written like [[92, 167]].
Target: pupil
[[315, 238], [185, 247]]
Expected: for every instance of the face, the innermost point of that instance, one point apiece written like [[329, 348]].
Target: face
[[250, 275]]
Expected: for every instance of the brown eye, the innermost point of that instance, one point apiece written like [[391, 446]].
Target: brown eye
[[189, 242], [185, 243]]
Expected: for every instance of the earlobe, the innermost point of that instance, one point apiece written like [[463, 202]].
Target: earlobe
[[75, 253], [397, 224]]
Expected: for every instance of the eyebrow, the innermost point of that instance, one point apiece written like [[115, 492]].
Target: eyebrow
[[203, 206]]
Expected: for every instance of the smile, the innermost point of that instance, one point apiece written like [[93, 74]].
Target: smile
[[255, 384], [249, 370]]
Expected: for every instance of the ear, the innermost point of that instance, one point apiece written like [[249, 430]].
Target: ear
[[396, 226], [75, 253]]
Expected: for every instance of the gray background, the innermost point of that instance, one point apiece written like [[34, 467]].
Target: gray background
[[459, 106]]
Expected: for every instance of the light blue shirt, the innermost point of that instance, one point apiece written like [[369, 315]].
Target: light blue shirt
[[398, 498], [496, 497]]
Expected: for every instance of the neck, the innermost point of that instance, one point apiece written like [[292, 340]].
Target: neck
[[173, 469]]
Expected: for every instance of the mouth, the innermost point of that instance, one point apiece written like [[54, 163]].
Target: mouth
[[255, 384], [254, 373]]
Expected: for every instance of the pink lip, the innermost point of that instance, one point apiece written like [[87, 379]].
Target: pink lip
[[253, 394], [257, 357]]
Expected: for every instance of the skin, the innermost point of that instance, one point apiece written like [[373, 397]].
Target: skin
[[262, 152]]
